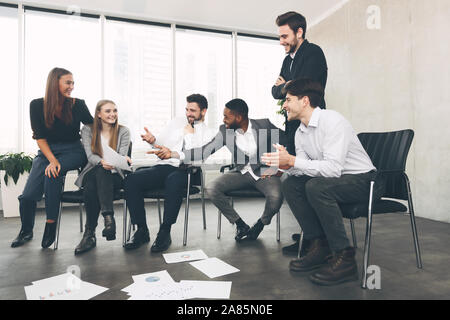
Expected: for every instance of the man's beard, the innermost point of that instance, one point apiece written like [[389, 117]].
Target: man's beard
[[293, 47], [193, 119]]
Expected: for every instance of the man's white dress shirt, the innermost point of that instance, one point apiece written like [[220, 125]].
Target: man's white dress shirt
[[328, 147]]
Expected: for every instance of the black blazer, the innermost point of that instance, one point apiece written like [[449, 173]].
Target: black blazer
[[265, 132]]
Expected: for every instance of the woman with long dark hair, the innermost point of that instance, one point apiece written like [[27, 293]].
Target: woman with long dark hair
[[99, 178], [55, 121]]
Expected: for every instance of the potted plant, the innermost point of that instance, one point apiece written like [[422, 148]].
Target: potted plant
[[14, 170]]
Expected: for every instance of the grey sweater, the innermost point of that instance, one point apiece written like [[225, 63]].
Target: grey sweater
[[123, 143]]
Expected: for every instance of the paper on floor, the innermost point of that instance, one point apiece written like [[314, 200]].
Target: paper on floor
[[214, 267]]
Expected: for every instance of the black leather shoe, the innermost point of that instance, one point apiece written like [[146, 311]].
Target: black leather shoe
[[316, 257], [49, 234], [241, 232], [292, 250], [255, 230], [140, 237], [110, 228], [87, 243], [296, 237], [162, 241], [22, 238], [340, 268]]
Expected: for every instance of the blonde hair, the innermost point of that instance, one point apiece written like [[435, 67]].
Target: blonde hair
[[97, 126]]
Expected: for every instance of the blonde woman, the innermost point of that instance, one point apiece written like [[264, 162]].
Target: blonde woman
[[55, 122], [99, 179]]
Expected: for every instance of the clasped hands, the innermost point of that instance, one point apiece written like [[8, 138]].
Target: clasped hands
[[280, 159]]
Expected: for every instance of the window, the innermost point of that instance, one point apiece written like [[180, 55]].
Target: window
[[9, 108], [204, 65], [258, 66], [138, 77], [57, 40]]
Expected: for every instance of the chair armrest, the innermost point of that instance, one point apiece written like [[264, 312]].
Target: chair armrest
[[229, 166]]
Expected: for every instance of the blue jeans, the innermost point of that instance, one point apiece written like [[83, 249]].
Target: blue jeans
[[71, 156]]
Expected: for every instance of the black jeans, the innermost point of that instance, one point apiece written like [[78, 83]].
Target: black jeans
[[172, 179], [314, 203], [99, 186]]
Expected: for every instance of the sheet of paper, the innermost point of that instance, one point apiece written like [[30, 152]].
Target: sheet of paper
[[154, 278], [173, 291], [210, 289], [63, 287], [113, 158], [214, 267], [184, 256]]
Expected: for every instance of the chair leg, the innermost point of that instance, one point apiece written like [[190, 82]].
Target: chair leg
[[81, 217], [159, 211], [300, 241], [219, 224], [413, 225], [186, 211], [367, 241], [352, 225], [278, 226], [124, 231], [203, 200], [55, 245]]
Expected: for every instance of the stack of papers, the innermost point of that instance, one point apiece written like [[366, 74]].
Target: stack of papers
[[161, 286], [63, 287]]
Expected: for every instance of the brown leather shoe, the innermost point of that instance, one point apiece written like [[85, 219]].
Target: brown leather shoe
[[340, 268], [316, 257]]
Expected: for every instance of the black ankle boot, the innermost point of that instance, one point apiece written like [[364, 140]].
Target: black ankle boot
[[87, 243], [110, 227], [22, 238], [49, 234]]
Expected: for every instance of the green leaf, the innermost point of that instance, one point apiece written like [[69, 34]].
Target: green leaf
[[15, 164]]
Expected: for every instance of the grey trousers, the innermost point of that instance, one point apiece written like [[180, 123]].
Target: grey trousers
[[314, 203], [234, 180]]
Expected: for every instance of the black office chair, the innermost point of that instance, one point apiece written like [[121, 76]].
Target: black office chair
[[388, 152], [242, 193], [77, 197], [195, 175]]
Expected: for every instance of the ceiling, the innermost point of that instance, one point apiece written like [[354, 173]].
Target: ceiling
[[254, 16]]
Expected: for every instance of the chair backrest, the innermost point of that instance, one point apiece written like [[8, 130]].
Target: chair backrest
[[130, 148], [389, 152]]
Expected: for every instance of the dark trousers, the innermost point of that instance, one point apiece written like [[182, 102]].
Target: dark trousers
[[71, 156], [291, 128], [314, 203], [99, 186], [172, 179]]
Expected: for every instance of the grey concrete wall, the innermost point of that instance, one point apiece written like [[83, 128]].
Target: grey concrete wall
[[394, 78]]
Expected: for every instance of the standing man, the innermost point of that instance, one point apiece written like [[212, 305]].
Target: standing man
[[247, 139], [178, 134], [303, 60], [330, 168]]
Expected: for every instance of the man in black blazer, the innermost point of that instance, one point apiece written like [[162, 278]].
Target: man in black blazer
[[303, 60], [246, 139]]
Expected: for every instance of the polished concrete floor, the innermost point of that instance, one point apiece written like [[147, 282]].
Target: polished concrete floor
[[264, 273]]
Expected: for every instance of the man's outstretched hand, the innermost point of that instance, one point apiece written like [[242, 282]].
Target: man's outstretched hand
[[161, 152]]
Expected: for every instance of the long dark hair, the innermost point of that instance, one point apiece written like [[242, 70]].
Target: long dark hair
[[54, 99]]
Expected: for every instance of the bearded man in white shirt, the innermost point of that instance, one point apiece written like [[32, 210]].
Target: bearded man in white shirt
[[178, 134], [330, 168]]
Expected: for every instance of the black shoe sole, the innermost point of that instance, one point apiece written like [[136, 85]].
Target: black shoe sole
[[322, 282], [47, 245], [311, 268], [83, 251], [132, 246], [160, 249], [109, 235]]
